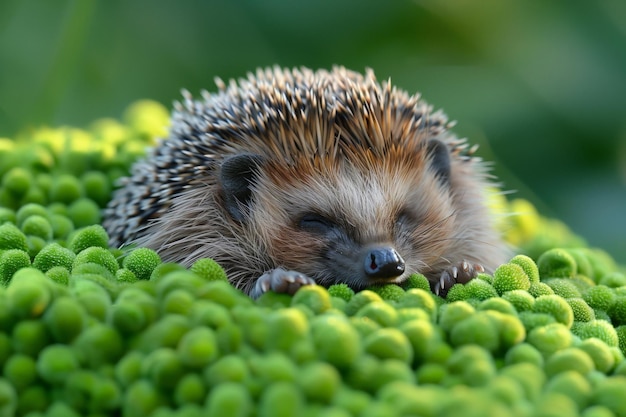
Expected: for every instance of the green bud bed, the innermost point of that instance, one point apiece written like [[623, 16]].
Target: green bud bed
[[90, 330]]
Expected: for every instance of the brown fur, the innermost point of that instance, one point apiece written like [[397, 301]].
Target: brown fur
[[335, 143]]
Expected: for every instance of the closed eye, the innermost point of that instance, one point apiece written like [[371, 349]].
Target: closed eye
[[405, 223], [315, 223], [405, 218]]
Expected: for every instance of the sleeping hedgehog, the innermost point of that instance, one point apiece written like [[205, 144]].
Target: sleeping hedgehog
[[299, 177]]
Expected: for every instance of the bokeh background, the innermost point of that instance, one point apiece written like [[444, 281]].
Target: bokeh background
[[540, 85]]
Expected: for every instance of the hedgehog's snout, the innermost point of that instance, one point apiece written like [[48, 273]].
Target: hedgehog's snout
[[383, 262]]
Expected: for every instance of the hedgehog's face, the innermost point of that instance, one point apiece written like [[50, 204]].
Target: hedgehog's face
[[377, 220]]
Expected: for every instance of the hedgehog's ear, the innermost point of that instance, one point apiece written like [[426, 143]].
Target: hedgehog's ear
[[439, 156], [236, 175]]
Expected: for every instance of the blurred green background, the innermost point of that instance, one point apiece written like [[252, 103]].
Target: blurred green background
[[540, 85]]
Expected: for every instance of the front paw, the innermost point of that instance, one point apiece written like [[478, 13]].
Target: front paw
[[280, 281], [462, 274]]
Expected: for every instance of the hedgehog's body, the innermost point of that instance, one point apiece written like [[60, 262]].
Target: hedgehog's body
[[329, 174]]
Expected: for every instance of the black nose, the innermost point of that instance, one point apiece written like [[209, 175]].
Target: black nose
[[383, 262]]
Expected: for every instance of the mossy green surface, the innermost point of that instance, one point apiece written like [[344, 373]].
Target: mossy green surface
[[86, 329]]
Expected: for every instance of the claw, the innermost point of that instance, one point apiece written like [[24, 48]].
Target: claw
[[280, 281], [304, 280], [445, 277], [461, 273]]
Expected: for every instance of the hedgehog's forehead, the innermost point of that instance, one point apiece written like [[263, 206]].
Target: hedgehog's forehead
[[371, 189]]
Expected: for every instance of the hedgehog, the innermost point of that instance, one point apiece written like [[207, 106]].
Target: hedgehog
[[295, 177]]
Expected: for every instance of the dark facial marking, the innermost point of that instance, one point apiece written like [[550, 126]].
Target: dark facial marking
[[439, 160], [236, 176]]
